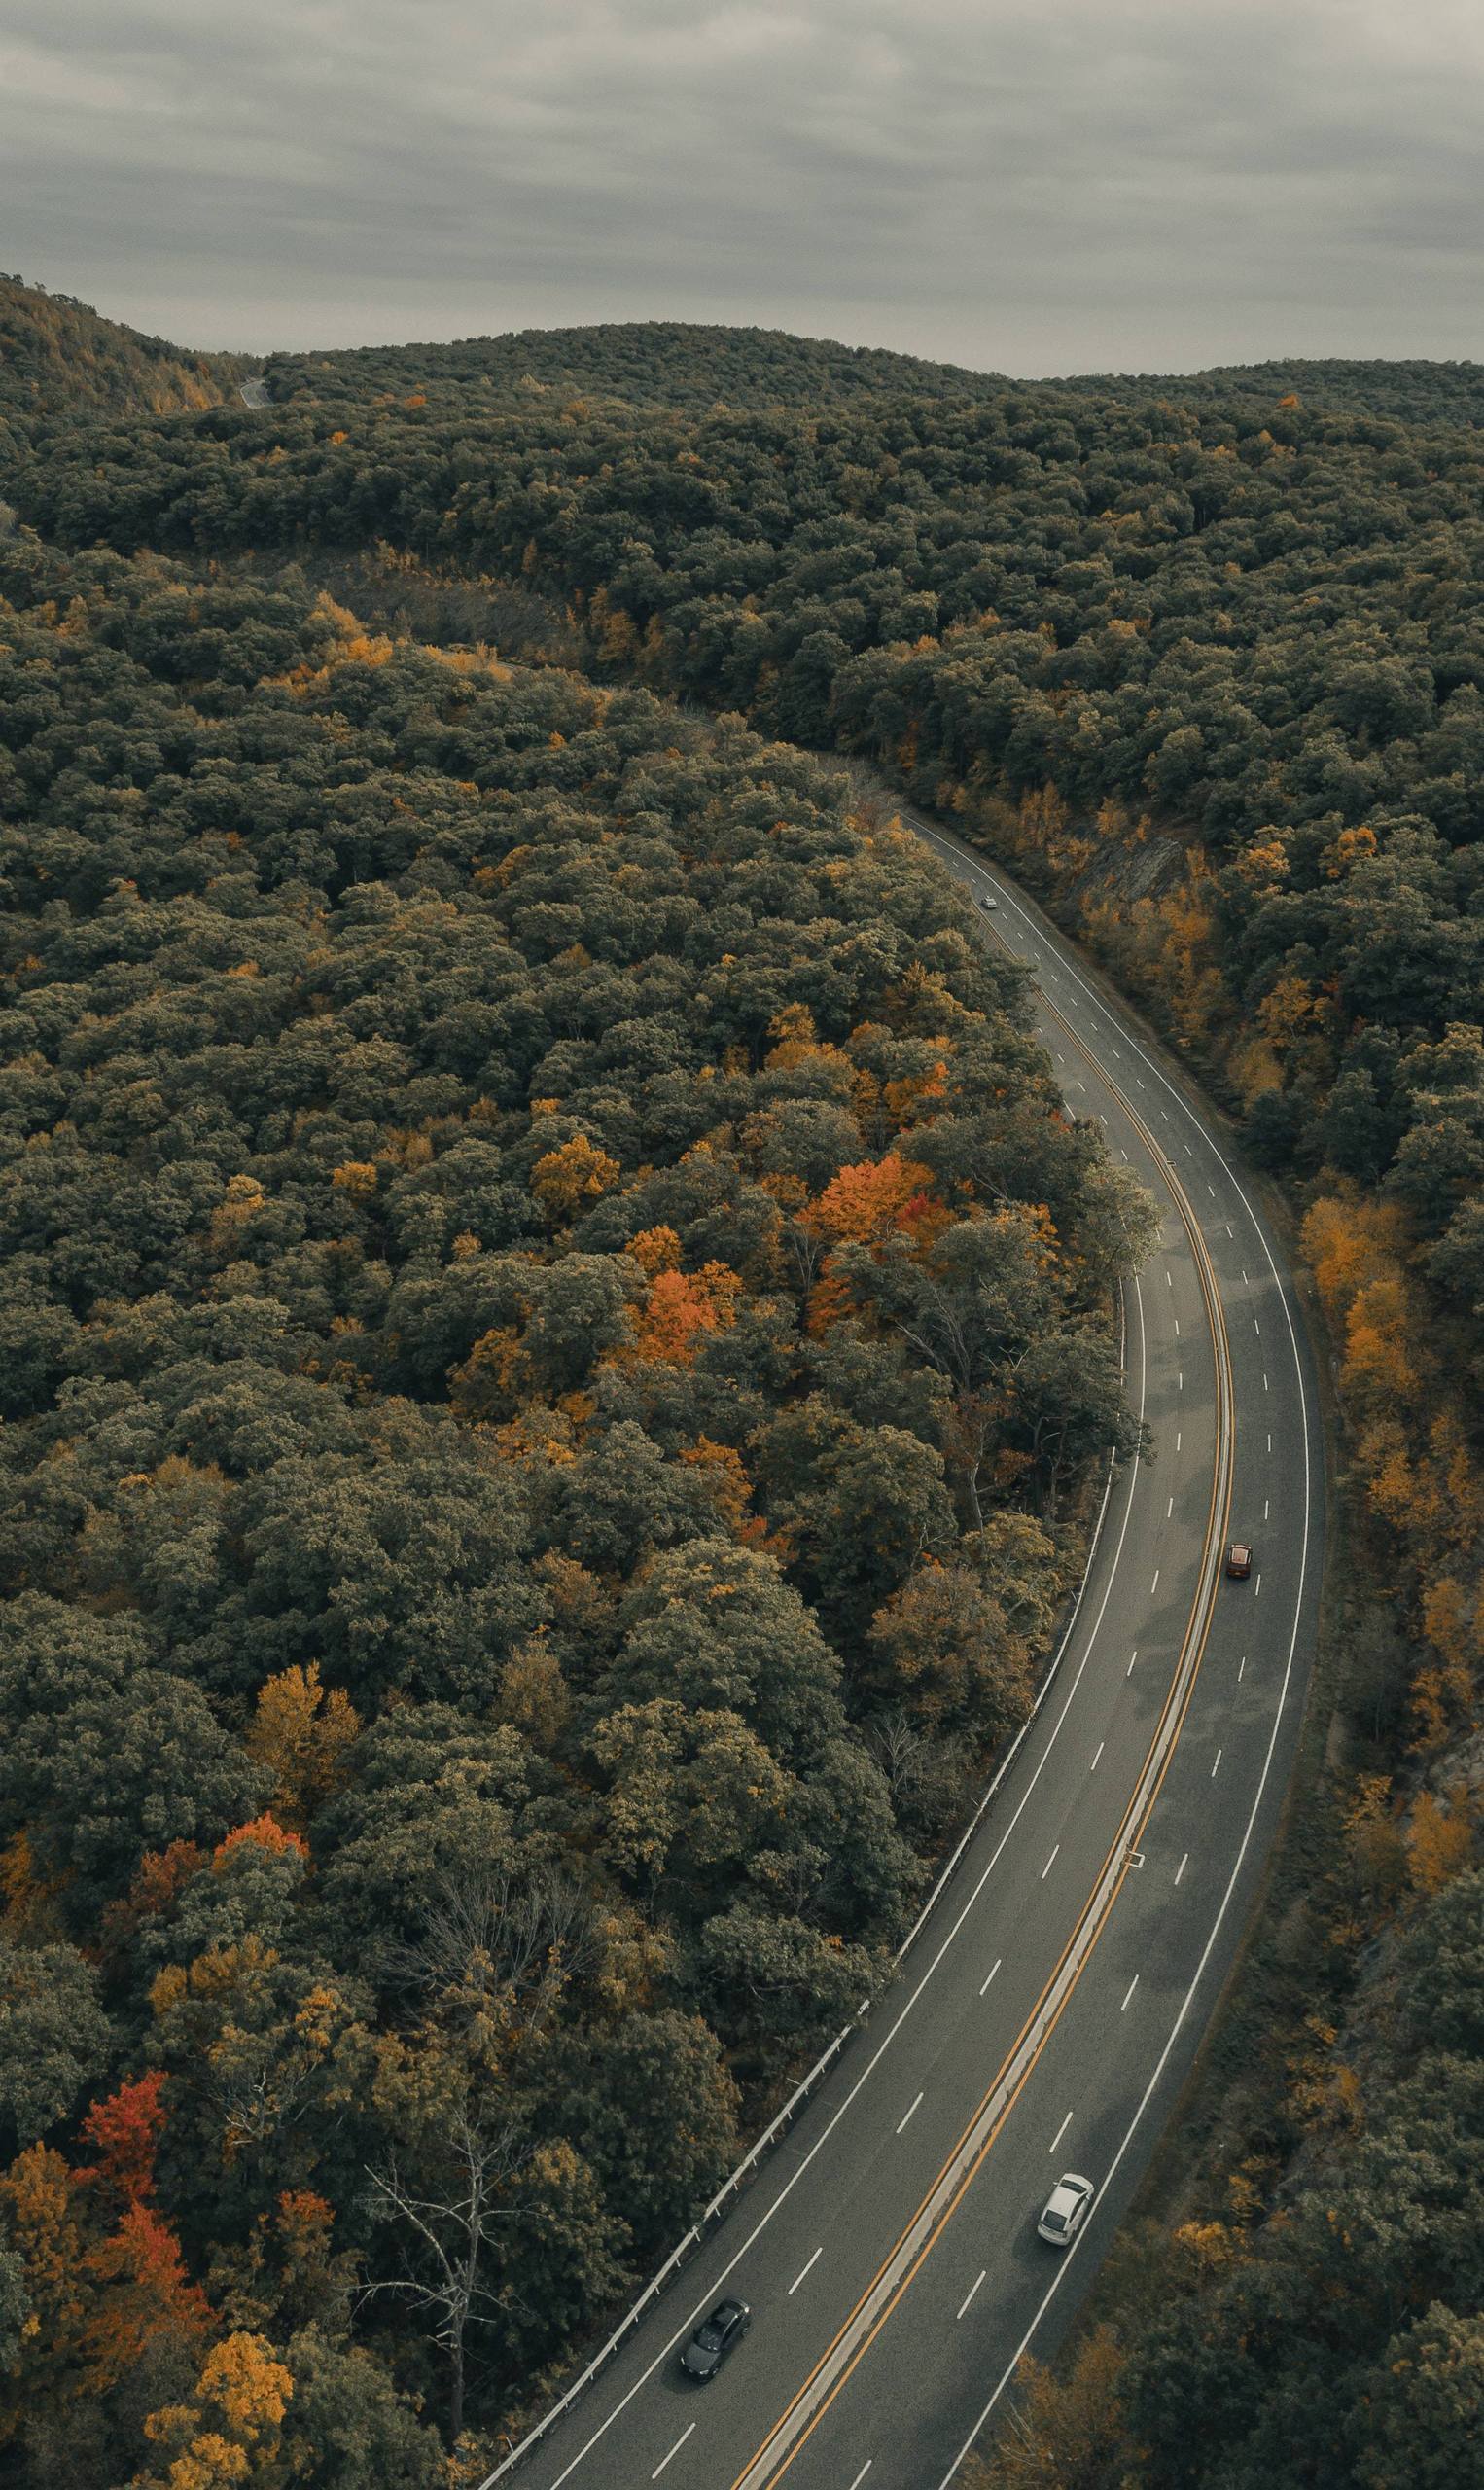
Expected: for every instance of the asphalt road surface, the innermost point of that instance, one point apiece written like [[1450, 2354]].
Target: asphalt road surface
[[1046, 2015]]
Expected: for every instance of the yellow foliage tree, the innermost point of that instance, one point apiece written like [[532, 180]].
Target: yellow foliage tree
[[494, 1377], [656, 1249], [566, 1180], [227, 2435], [300, 1732], [1439, 1839], [37, 2203], [729, 1482], [1068, 2432], [1351, 1240], [1380, 1354], [356, 1177]]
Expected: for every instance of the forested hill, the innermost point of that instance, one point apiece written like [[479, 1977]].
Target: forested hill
[[650, 362], [1414, 393], [684, 365], [58, 359]]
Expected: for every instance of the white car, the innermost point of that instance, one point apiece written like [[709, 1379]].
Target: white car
[[1066, 2209], [985, 900]]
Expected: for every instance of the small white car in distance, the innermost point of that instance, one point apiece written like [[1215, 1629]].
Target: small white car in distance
[[987, 902], [1066, 2209]]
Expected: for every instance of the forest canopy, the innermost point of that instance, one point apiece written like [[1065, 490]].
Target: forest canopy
[[551, 1323]]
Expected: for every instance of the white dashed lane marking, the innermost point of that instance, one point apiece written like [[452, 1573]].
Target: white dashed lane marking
[[674, 2451]]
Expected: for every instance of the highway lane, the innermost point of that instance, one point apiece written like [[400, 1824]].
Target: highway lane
[[1049, 2010]]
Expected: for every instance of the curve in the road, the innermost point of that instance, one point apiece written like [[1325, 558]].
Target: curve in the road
[[1053, 2289], [899, 2416], [899, 2268]]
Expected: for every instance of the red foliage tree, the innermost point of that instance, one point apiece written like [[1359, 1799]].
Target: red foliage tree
[[125, 2132], [144, 2294]]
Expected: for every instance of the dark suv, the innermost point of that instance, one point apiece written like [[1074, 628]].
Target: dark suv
[[715, 2335]]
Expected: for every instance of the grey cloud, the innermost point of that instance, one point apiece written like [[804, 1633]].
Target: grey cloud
[[1069, 185]]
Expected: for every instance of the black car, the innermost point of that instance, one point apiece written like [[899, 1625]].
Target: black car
[[715, 2335]]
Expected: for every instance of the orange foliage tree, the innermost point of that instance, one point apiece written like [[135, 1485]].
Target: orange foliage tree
[[680, 1310], [268, 1833], [865, 1204]]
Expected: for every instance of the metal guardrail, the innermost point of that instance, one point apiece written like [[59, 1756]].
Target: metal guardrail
[[802, 2091]]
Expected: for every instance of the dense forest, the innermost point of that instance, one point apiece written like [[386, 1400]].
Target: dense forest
[[683, 364], [422, 1060], [552, 1324]]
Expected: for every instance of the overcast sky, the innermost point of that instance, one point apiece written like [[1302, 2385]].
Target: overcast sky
[[1026, 186]]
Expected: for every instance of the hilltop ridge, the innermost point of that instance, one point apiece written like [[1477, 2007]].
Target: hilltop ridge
[[59, 357]]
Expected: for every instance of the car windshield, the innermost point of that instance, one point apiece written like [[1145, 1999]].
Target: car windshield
[[709, 2335], [1056, 2221]]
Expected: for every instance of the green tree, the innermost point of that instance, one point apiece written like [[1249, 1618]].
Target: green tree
[[1422, 2406], [53, 2036]]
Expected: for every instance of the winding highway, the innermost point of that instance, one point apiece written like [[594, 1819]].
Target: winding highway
[[1049, 2011]]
